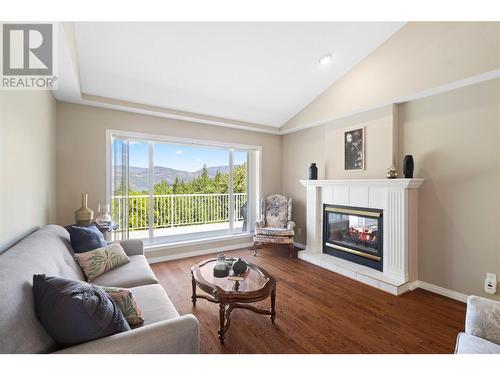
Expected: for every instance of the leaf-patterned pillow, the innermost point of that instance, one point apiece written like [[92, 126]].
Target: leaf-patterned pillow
[[96, 262], [126, 303]]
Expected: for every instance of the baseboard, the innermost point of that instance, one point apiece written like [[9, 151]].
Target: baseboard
[[440, 290], [413, 285], [299, 245], [213, 250]]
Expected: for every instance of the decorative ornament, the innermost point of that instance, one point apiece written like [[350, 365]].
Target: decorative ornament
[[392, 172], [239, 267]]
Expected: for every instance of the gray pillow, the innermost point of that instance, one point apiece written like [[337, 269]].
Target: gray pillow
[[74, 311]]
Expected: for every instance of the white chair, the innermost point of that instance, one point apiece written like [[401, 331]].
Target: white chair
[[482, 327]]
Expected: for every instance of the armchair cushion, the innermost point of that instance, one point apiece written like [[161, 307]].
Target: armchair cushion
[[469, 344], [483, 318], [274, 231], [272, 239], [274, 210]]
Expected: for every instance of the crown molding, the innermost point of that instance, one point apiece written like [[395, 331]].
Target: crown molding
[[441, 89], [73, 94], [126, 106], [120, 105]]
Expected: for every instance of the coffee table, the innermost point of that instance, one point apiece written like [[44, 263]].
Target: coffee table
[[257, 286]]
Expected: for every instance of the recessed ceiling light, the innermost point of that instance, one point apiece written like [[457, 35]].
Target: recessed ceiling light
[[326, 59]]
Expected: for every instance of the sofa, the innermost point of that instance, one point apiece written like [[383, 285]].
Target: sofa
[[482, 327], [48, 251]]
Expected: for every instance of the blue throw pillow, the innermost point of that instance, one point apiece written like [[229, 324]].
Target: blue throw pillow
[[74, 311], [85, 238]]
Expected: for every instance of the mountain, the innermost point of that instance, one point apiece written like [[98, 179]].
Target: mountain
[[138, 177]]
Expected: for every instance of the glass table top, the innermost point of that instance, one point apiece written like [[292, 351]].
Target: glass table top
[[255, 279]]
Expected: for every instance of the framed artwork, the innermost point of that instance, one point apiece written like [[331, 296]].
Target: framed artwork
[[354, 149]]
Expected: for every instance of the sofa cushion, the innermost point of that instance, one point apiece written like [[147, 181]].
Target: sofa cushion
[[274, 231], [85, 238], [48, 250], [135, 273], [154, 303], [469, 344], [125, 300], [74, 311], [99, 261]]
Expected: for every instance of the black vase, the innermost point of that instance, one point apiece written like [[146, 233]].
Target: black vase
[[408, 166], [313, 172], [239, 267]]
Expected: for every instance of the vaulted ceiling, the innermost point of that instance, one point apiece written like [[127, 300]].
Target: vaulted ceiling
[[253, 73]]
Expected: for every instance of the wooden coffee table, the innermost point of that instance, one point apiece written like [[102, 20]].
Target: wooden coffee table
[[230, 295]]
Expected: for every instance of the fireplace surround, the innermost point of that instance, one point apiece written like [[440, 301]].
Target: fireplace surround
[[396, 200]]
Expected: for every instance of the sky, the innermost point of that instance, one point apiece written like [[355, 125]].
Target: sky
[[186, 158]]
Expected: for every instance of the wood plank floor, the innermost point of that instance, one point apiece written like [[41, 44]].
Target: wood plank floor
[[319, 311]]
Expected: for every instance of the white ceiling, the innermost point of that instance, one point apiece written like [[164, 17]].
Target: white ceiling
[[261, 73]]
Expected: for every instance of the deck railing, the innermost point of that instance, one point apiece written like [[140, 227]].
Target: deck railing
[[175, 210]]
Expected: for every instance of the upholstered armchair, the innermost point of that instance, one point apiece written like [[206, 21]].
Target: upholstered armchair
[[482, 327], [275, 225]]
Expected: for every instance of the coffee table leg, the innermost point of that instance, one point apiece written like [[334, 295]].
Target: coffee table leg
[[222, 315], [273, 305], [193, 284]]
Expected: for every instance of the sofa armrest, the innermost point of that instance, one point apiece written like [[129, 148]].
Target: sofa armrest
[[133, 247], [483, 318], [260, 224], [290, 225], [174, 336]]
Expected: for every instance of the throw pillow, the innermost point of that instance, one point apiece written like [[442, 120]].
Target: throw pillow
[[85, 238], [126, 302], [74, 311], [96, 262]]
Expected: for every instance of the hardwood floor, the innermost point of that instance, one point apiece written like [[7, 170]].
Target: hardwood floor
[[319, 311]]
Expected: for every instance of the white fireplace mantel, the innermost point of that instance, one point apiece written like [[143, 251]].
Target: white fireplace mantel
[[409, 183], [398, 198]]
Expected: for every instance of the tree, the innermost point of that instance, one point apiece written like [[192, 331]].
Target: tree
[[203, 184], [240, 178]]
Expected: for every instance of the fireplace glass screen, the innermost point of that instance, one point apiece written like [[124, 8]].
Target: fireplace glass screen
[[354, 234]]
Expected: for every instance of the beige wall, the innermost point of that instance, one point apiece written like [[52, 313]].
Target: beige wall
[[455, 140], [81, 147], [324, 145], [379, 153], [300, 149], [420, 56], [27, 163]]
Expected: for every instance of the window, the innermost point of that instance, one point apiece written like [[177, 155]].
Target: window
[[170, 190]]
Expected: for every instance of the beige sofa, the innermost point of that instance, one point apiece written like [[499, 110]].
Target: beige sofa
[[48, 251]]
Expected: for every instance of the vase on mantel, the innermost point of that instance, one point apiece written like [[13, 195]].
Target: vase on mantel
[[313, 172], [84, 215], [408, 166]]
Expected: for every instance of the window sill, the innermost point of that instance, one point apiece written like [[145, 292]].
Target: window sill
[[182, 243]]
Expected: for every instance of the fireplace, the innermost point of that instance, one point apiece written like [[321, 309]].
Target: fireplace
[[354, 234]]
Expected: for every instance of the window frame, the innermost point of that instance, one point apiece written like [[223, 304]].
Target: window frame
[[254, 185]]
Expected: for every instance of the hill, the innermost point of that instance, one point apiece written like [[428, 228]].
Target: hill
[[138, 177]]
